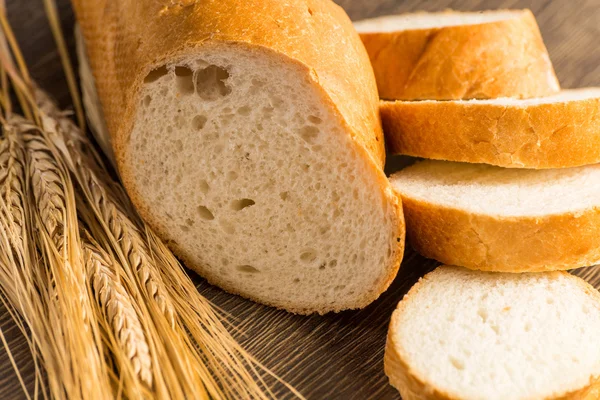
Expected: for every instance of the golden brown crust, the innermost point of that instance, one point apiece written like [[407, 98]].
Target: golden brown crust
[[503, 244], [414, 387], [505, 58], [547, 135], [126, 39]]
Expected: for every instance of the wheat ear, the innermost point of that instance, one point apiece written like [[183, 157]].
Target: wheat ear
[[124, 232], [12, 182], [117, 307]]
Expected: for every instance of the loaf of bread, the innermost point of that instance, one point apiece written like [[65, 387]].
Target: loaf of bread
[[457, 55], [498, 219], [556, 131], [467, 335], [247, 133]]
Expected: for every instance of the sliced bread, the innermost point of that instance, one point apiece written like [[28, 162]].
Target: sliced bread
[[461, 334], [497, 219], [456, 55], [557, 131], [253, 146]]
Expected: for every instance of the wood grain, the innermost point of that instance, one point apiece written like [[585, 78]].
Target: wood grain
[[337, 356]]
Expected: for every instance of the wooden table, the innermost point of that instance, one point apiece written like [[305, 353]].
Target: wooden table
[[338, 356]]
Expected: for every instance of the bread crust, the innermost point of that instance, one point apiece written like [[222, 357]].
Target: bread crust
[[547, 135], [126, 39], [504, 58], [412, 386], [501, 243]]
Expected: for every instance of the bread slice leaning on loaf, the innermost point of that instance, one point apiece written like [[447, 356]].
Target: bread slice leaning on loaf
[[466, 335], [556, 131], [247, 133], [498, 219], [458, 55]]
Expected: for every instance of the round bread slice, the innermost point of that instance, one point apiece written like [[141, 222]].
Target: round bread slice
[[461, 334], [458, 55], [254, 147], [557, 131], [497, 219]]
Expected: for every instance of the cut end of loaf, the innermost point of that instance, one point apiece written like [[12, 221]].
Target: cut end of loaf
[[471, 334], [247, 173], [405, 22]]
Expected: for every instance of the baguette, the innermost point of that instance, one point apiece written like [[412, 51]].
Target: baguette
[[457, 55], [557, 131], [496, 219], [461, 334], [247, 133]]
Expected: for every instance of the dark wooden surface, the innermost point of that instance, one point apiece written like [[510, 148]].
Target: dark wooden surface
[[337, 356]]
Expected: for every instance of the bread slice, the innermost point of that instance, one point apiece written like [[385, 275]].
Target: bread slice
[[461, 334], [557, 131], [497, 219], [458, 55], [247, 133]]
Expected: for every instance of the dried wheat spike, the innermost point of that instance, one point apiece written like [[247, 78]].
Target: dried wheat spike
[[47, 185], [69, 139], [12, 182], [118, 308], [130, 240]]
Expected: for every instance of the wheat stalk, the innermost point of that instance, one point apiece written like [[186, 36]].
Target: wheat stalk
[[118, 308]]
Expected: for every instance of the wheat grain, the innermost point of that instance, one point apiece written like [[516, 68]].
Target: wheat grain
[[118, 308]]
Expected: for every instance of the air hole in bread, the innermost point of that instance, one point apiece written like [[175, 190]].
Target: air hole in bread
[[240, 204], [247, 269], [284, 196], [245, 111], [456, 363], [267, 111], [313, 119], [189, 222], [310, 11], [210, 83], [156, 74], [232, 175], [203, 186], [198, 122], [333, 263], [296, 280], [339, 287], [205, 213], [322, 266], [184, 228], [185, 80], [147, 100], [308, 256], [482, 312]]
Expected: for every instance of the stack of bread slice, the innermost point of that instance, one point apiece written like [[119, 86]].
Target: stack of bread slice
[[510, 189]]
